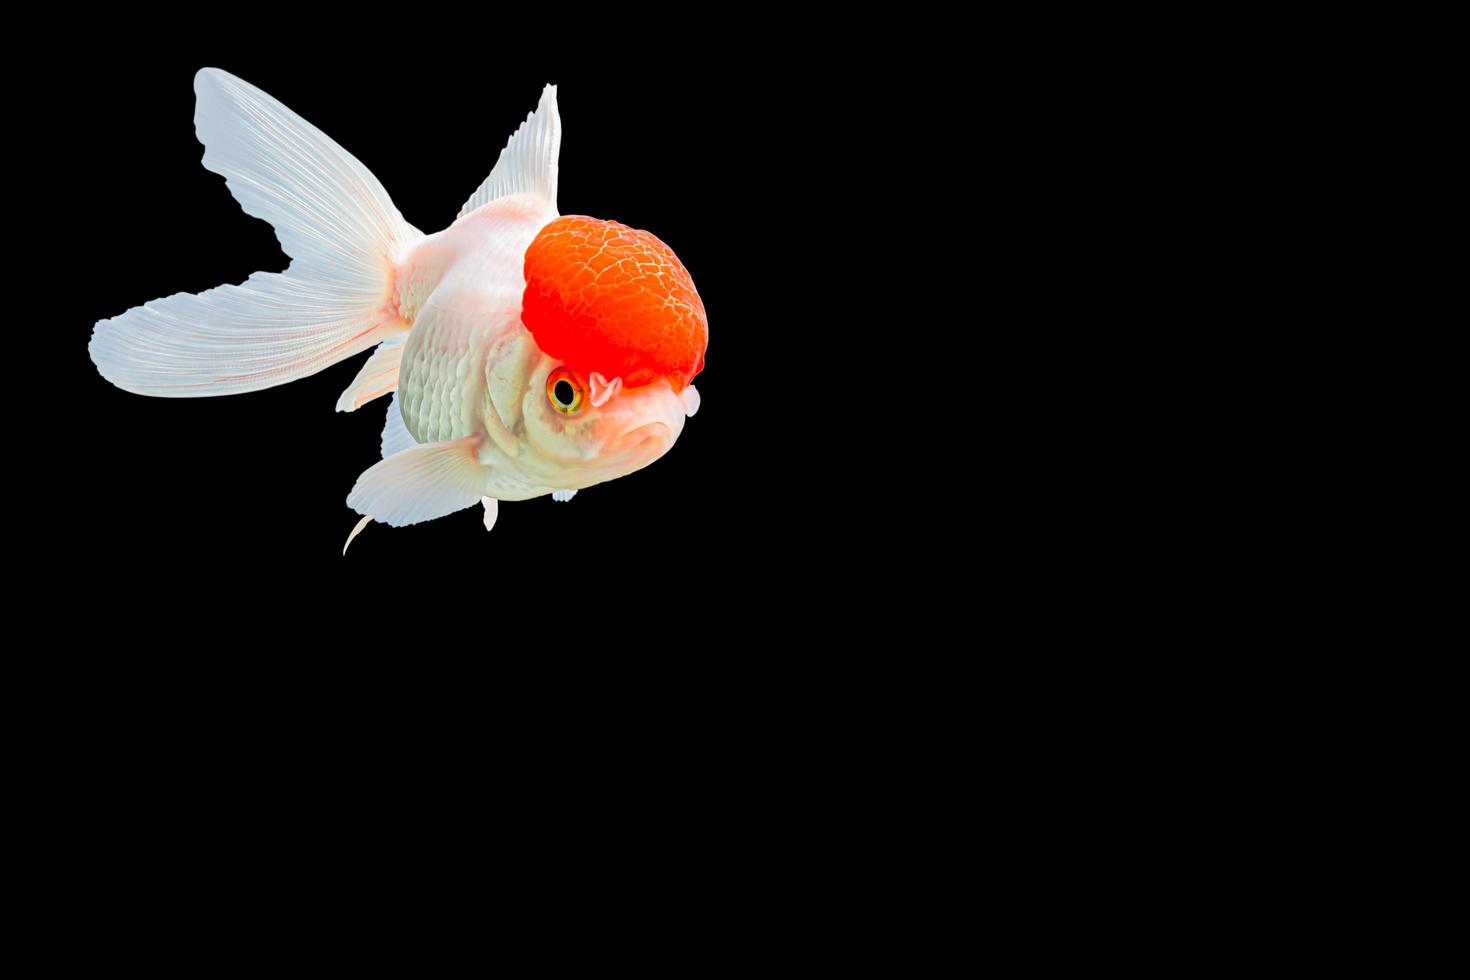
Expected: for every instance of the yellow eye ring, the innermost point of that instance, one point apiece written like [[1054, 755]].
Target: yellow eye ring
[[565, 391]]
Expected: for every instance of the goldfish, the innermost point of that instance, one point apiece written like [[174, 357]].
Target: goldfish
[[525, 353]]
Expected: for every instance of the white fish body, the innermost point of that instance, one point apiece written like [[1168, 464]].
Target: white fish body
[[470, 420]]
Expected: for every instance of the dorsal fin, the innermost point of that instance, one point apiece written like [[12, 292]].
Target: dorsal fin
[[527, 165]]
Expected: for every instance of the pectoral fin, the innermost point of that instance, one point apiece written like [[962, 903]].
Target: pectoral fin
[[421, 483]]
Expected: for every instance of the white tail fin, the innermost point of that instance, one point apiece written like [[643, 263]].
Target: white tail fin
[[334, 220]]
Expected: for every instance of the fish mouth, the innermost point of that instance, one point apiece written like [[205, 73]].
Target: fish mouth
[[654, 437]]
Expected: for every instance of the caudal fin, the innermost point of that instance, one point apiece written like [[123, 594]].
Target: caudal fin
[[335, 299]]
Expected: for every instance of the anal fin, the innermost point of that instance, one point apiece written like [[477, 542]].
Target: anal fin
[[379, 375]]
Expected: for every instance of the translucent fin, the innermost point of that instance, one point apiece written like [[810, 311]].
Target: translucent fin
[[334, 220], [396, 437], [355, 532], [563, 495], [378, 376], [528, 164], [492, 511], [421, 483]]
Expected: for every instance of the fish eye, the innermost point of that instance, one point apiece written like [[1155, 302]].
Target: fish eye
[[564, 390]]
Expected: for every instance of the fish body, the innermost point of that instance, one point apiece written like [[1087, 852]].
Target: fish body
[[526, 353]]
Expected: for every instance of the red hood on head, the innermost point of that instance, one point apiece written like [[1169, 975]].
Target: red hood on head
[[601, 296]]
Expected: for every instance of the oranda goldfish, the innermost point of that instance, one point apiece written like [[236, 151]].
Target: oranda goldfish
[[527, 353]]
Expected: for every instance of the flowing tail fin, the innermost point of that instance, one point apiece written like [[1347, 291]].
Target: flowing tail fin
[[335, 299]]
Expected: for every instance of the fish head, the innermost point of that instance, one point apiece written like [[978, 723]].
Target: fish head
[[622, 333], [580, 430]]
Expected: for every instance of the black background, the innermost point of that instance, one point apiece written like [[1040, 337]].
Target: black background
[[721, 631], [233, 508], [720, 637]]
